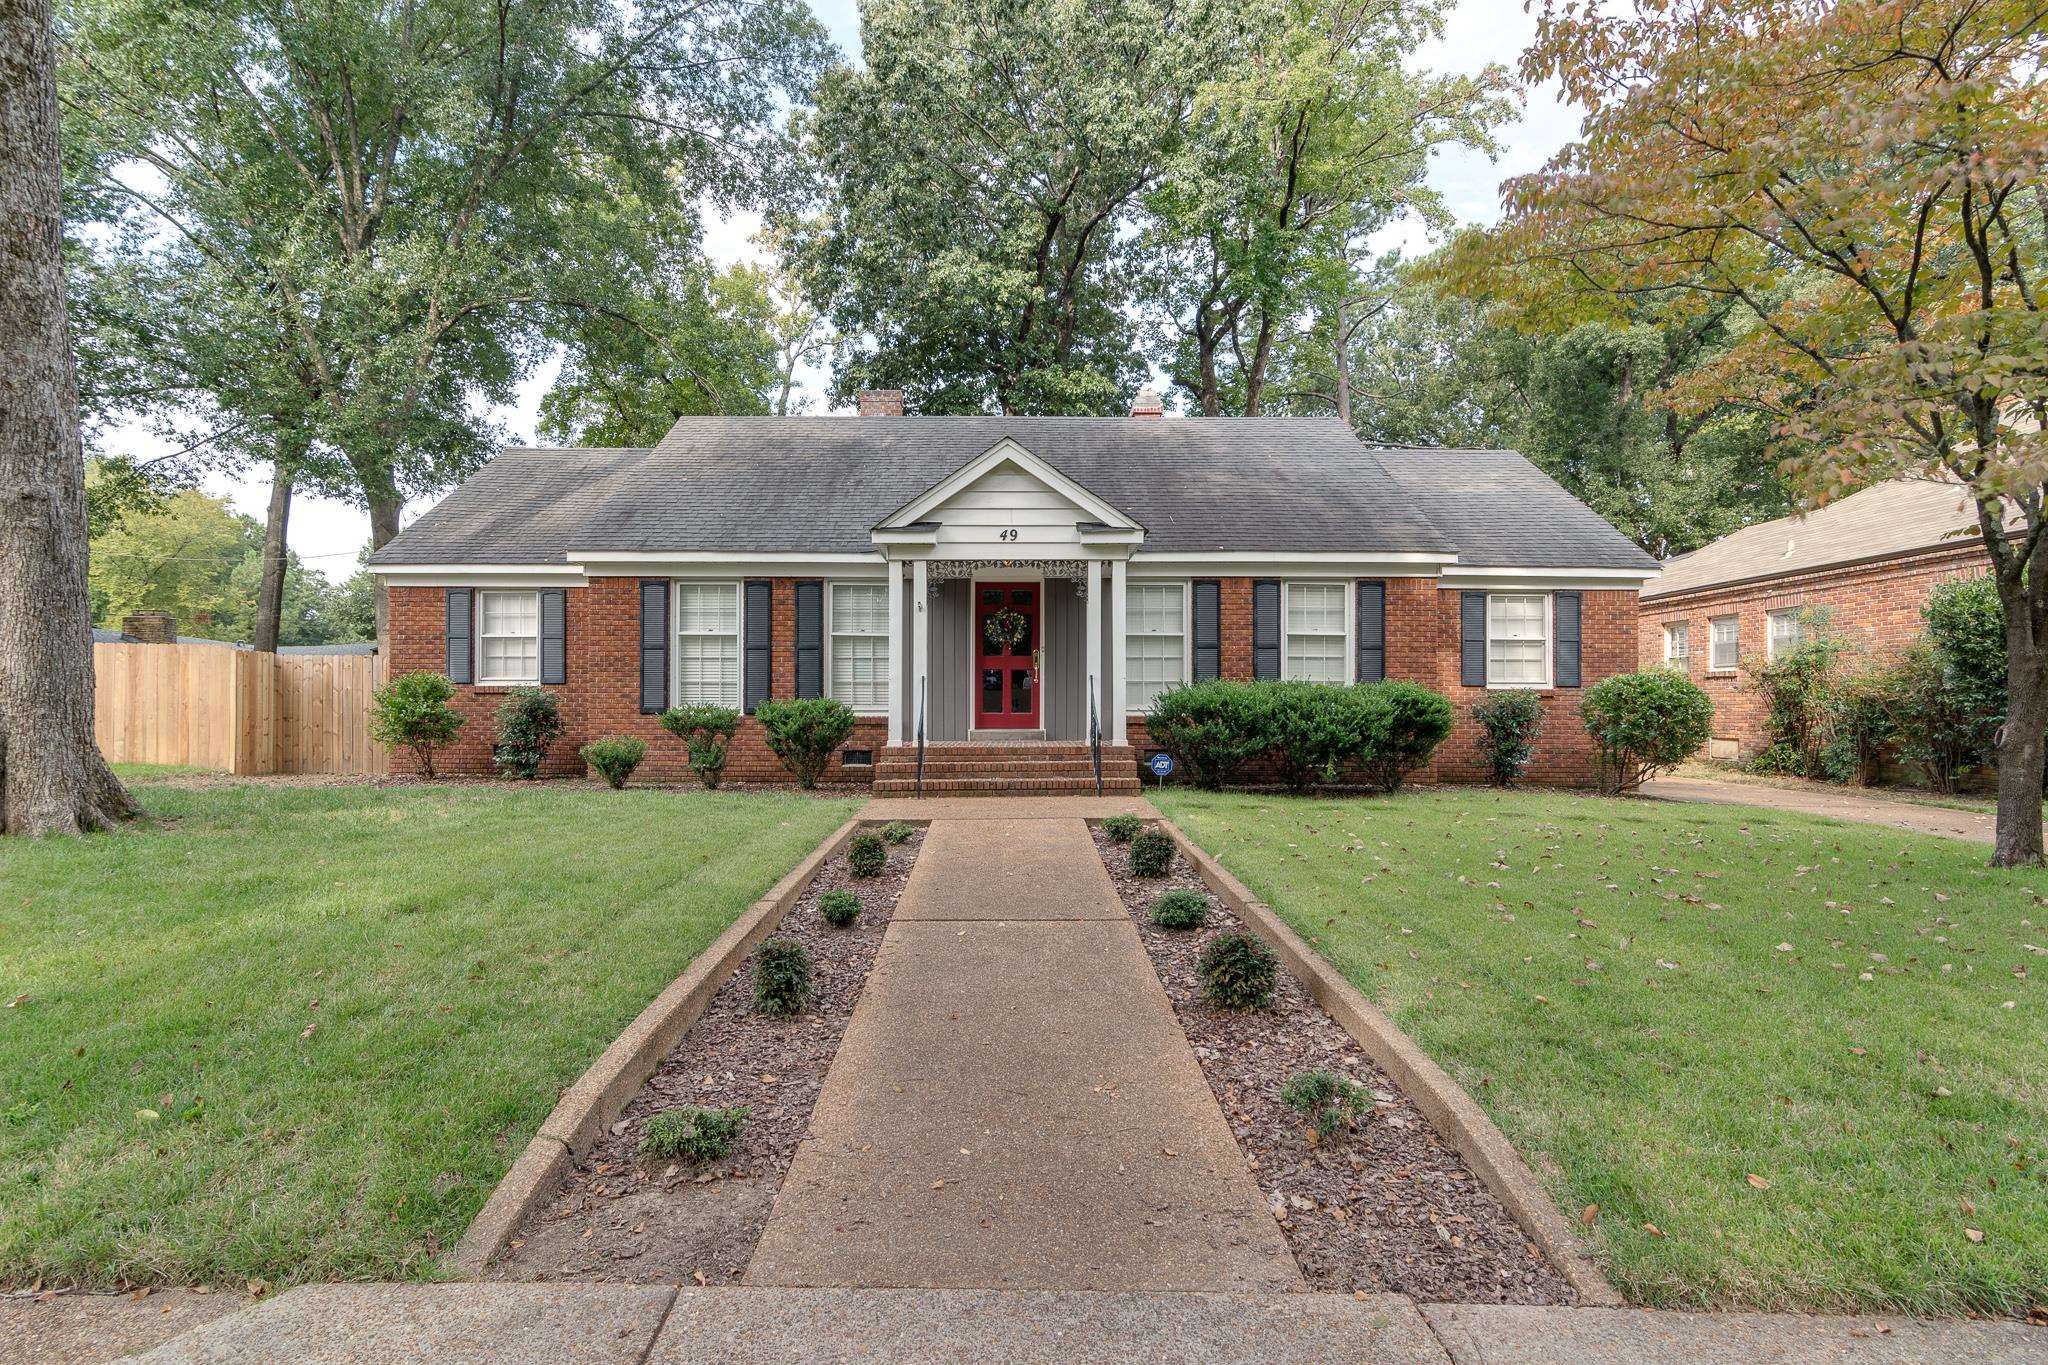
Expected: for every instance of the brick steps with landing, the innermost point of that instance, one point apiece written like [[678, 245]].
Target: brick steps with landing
[[1007, 786]]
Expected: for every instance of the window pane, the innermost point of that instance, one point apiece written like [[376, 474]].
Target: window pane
[[510, 613], [707, 609], [1678, 641], [1315, 608], [860, 609], [860, 671], [510, 658], [1784, 631], [1726, 639], [1316, 658], [1517, 652], [1153, 609], [1155, 663], [708, 670]]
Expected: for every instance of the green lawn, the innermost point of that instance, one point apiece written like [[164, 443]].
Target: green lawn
[[1657, 1002], [299, 1033]]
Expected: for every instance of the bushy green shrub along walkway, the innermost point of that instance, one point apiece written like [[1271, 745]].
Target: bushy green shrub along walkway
[[299, 1033], [1793, 1062]]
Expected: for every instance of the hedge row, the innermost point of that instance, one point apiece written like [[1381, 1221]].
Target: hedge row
[[1310, 732]]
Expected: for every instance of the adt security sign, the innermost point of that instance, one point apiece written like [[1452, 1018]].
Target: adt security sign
[[1161, 766]]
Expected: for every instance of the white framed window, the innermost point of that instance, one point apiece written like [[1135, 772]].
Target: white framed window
[[707, 644], [1316, 633], [1518, 639], [1155, 641], [1678, 644], [1785, 632], [858, 631], [508, 637], [1724, 643]]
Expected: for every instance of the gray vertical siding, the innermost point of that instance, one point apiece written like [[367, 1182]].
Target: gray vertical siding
[[946, 707], [1066, 661]]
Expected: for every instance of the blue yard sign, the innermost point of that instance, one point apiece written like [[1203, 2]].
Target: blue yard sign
[[1161, 766]]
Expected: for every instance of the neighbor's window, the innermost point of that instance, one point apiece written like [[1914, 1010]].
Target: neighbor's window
[[1785, 632], [1725, 648], [1155, 641], [1678, 643], [508, 637], [860, 645], [1517, 639], [1315, 633], [708, 644]]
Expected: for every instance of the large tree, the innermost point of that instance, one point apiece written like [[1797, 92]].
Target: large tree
[[1864, 182], [978, 175], [401, 200], [52, 777]]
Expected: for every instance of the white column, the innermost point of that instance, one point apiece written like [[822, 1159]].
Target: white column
[[920, 645], [897, 668], [1117, 663], [1095, 641]]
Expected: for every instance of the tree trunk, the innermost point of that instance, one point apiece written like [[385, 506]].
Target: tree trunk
[[270, 595], [2021, 746], [1340, 360], [52, 777], [384, 510]]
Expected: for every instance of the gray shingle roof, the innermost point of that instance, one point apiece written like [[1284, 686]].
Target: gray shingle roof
[[819, 485], [1503, 512]]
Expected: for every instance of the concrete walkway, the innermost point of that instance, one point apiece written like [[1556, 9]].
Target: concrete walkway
[[1014, 1105], [1838, 804]]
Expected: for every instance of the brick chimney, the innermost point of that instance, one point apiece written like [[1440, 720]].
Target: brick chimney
[[881, 402], [151, 627], [1148, 404]]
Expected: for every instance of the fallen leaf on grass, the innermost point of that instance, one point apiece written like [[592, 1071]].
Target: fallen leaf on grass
[[1758, 1182], [1590, 1215], [1973, 1234], [1653, 1229]]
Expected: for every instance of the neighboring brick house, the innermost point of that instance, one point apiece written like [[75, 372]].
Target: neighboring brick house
[[1868, 562], [1000, 585]]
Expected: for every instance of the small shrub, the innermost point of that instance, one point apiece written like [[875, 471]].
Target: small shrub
[[1121, 829], [614, 758], [1869, 714], [1317, 728], [1211, 728], [866, 855], [1418, 720], [412, 712], [1937, 729], [1798, 688], [528, 721], [840, 907], [1180, 909], [1966, 632], [1508, 725], [1237, 972], [804, 733], [693, 1134], [1151, 854], [1642, 722], [708, 730], [1778, 759], [896, 832], [1329, 1101], [782, 976]]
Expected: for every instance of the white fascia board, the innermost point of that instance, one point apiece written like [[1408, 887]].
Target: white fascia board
[[1543, 580], [728, 564], [1266, 563], [480, 575], [1006, 449], [1110, 535]]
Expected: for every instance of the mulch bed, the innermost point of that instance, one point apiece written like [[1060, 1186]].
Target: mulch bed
[[1389, 1206], [622, 1219]]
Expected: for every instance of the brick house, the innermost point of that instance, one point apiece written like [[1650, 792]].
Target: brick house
[[1000, 586], [1869, 562]]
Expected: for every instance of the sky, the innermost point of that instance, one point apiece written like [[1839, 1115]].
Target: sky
[[329, 535]]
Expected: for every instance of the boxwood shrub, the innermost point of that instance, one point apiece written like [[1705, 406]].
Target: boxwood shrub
[[708, 730], [614, 758], [1211, 728], [804, 733], [1237, 972], [1418, 719], [1180, 908], [1508, 725], [840, 907], [529, 720], [1151, 854], [896, 832], [782, 976], [1328, 1100], [1317, 728], [866, 855], [1121, 829], [1641, 722], [693, 1134]]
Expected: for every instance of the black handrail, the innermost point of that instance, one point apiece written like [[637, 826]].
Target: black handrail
[[920, 736], [1094, 734]]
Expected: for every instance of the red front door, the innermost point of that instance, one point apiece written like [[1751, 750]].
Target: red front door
[[1006, 643]]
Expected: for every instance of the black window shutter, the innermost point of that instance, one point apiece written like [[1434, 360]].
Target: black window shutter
[[1372, 630], [554, 637], [759, 629], [653, 646], [461, 654], [810, 638], [1564, 655], [1208, 628], [1472, 639], [1266, 628]]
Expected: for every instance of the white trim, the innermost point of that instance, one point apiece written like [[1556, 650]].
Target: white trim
[[527, 570], [477, 644], [441, 578], [1093, 651], [896, 660], [997, 575], [675, 635], [1350, 599], [610, 557], [1685, 627], [1736, 643], [1537, 580], [1771, 630], [1278, 563], [1464, 572], [832, 587], [1119, 645], [1549, 642], [1187, 632], [920, 643], [1006, 449]]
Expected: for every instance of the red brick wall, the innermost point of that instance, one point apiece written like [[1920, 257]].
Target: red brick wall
[[602, 696], [1877, 606], [1422, 647]]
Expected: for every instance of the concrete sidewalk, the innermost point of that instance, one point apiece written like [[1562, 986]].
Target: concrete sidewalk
[[532, 1324], [1014, 1105]]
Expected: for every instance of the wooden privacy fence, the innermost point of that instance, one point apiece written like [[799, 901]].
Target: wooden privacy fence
[[206, 706]]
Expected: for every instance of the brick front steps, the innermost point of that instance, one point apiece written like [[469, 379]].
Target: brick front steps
[[1005, 769]]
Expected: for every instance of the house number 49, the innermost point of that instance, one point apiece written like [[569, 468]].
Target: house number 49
[[1009, 533]]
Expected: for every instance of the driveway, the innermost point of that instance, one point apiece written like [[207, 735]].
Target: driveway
[[1838, 804]]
